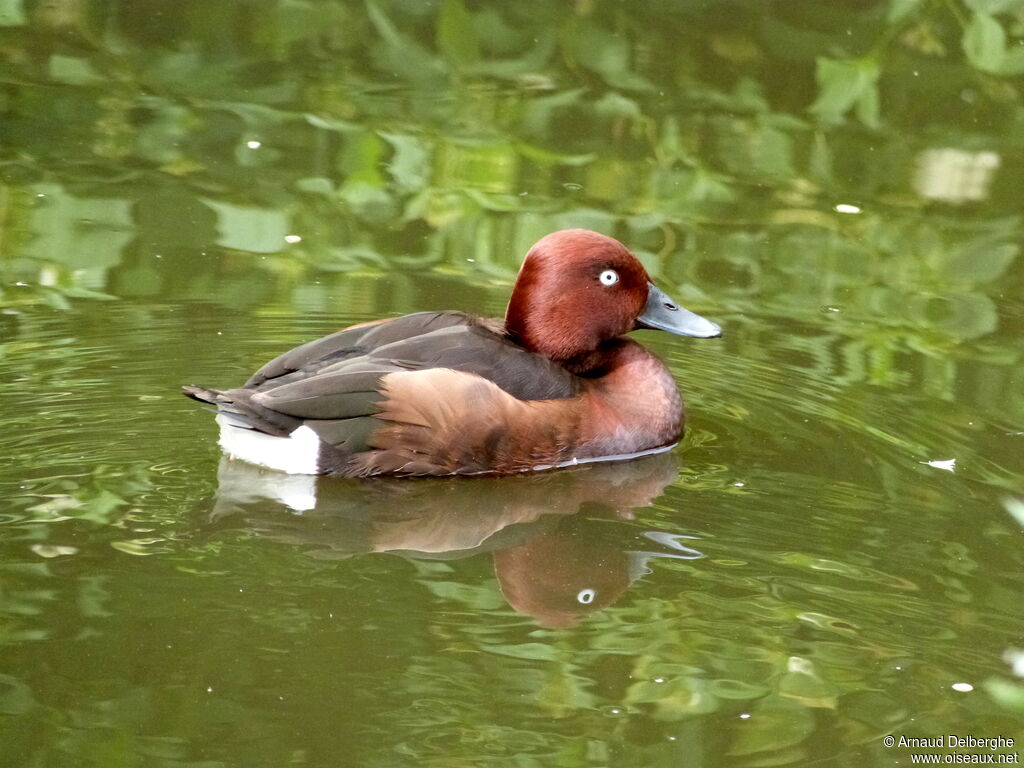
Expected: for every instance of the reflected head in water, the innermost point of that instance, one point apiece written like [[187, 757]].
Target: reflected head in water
[[554, 558]]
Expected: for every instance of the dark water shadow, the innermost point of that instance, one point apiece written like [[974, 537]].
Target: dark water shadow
[[555, 557]]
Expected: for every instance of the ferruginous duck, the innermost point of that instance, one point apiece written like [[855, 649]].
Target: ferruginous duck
[[445, 393]]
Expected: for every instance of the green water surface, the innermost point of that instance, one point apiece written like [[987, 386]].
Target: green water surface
[[832, 555]]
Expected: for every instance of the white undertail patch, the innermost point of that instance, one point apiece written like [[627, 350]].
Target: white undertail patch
[[296, 454]]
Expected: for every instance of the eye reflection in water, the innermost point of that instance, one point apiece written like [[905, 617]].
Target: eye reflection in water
[[553, 558]]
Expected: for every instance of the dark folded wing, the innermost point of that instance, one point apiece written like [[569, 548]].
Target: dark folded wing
[[354, 341], [332, 385]]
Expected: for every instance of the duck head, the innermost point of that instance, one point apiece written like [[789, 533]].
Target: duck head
[[579, 288]]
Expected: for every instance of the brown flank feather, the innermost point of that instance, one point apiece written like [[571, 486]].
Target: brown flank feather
[[440, 421]]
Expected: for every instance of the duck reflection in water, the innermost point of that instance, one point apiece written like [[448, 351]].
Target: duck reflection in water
[[555, 557]]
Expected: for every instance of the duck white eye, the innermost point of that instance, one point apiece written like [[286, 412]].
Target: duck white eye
[[609, 277], [586, 596]]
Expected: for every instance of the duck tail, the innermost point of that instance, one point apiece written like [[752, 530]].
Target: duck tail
[[202, 394], [236, 408]]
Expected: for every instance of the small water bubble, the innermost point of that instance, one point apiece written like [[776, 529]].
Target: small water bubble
[[612, 711], [962, 687], [209, 689], [745, 716], [740, 485], [254, 144], [847, 208], [572, 186], [659, 679], [292, 239]]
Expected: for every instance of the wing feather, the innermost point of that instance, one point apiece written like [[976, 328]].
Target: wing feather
[[427, 393]]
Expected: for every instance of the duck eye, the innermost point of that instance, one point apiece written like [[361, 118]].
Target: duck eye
[[609, 277], [586, 596]]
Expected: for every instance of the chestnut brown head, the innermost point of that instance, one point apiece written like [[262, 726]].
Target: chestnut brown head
[[578, 288]]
